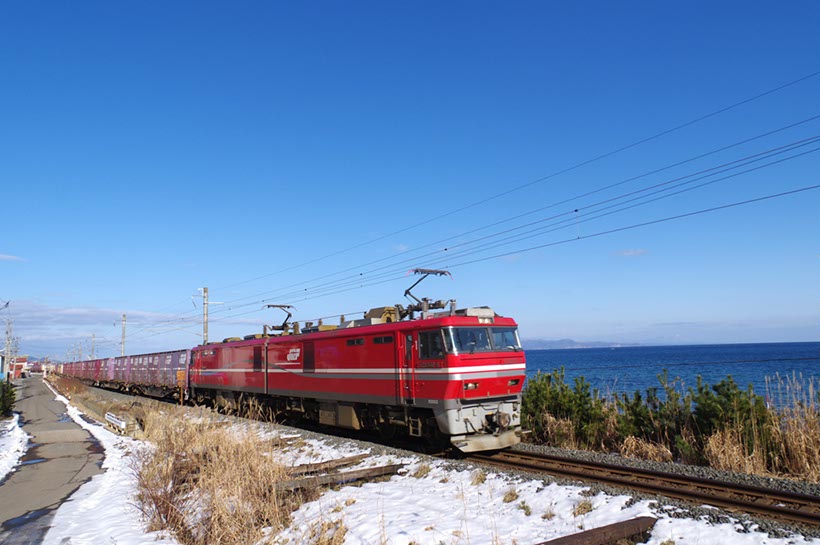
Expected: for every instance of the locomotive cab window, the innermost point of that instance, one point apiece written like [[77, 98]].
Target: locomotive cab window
[[471, 339], [505, 338], [430, 345], [468, 340]]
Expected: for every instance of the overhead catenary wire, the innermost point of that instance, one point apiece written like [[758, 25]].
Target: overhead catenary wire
[[538, 180], [576, 217], [555, 174], [577, 239], [336, 287], [771, 91], [410, 260], [643, 224]]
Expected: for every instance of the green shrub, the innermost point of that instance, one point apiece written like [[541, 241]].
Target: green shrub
[[549, 394], [576, 416], [7, 398]]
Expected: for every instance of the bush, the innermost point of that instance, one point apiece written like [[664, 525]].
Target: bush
[[549, 403], [7, 398], [719, 425]]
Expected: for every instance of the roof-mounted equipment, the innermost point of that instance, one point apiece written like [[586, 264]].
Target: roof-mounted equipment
[[285, 327], [423, 305]]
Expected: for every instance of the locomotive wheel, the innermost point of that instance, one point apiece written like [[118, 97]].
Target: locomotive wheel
[[387, 431]]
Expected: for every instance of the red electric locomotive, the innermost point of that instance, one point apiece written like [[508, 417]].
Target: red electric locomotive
[[457, 375], [454, 375]]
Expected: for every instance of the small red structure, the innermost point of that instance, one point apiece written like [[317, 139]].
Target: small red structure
[[17, 366]]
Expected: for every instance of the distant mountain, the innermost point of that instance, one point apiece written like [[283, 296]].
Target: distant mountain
[[543, 344]]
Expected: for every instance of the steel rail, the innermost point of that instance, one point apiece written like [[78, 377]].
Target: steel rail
[[776, 504]]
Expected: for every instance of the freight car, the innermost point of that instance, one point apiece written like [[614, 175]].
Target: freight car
[[160, 374], [450, 376]]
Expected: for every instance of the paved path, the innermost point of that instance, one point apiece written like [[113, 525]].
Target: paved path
[[61, 457]]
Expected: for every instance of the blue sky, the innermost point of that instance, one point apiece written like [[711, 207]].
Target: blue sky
[[152, 149]]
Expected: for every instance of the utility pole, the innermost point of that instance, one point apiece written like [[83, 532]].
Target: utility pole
[[7, 352], [122, 344], [204, 315], [205, 303], [92, 345]]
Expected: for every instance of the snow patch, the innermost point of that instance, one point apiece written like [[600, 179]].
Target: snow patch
[[104, 510], [427, 503], [13, 443]]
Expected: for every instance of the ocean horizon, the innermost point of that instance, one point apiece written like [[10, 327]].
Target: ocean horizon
[[773, 370]]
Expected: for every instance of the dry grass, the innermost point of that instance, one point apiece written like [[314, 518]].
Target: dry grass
[[511, 495], [206, 483], [69, 387], [582, 508], [787, 446], [773, 435], [326, 532], [801, 445], [479, 477], [635, 447], [799, 430], [422, 471], [98, 405], [559, 432], [726, 450]]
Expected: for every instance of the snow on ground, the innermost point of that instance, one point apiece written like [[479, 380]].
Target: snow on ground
[[13, 441], [448, 507], [103, 510], [428, 503]]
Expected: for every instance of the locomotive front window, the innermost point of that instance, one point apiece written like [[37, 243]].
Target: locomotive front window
[[506, 338], [468, 340], [471, 339]]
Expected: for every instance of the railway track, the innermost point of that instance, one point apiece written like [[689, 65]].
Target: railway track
[[783, 506], [788, 507]]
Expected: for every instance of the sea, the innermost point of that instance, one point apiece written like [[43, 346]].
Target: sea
[[774, 370]]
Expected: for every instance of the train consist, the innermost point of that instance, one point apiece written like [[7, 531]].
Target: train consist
[[450, 376]]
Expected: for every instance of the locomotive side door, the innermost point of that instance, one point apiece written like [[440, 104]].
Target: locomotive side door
[[407, 370]]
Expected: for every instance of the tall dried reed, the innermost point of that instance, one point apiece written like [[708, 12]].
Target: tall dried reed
[[207, 482], [719, 425], [635, 447], [798, 425]]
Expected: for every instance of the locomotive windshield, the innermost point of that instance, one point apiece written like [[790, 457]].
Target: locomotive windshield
[[468, 340]]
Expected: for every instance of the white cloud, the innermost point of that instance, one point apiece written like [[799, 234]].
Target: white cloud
[[52, 329], [632, 252], [401, 248], [5, 257]]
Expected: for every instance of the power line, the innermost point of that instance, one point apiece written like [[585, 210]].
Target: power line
[[555, 174], [644, 224], [537, 180], [528, 234], [576, 239], [414, 259], [589, 216], [182, 317]]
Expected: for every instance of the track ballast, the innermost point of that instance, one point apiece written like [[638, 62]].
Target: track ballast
[[790, 507]]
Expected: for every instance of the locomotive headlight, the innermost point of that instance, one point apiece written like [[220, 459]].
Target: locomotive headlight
[[470, 385], [513, 382]]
